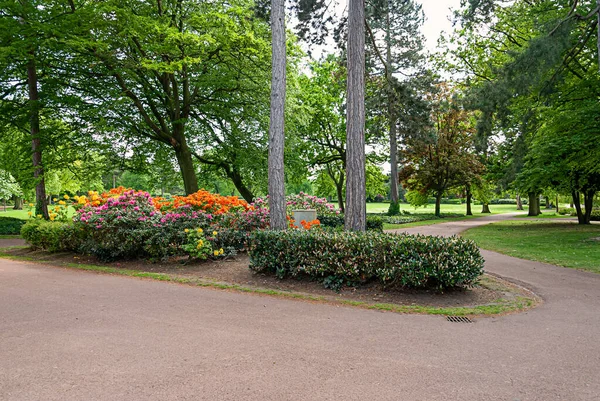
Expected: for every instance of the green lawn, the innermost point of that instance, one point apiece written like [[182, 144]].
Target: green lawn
[[495, 209], [22, 214], [562, 244]]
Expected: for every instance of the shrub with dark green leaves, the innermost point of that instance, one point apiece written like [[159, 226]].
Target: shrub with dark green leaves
[[595, 216], [11, 225], [395, 260], [51, 236]]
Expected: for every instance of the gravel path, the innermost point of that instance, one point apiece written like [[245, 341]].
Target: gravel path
[[73, 335]]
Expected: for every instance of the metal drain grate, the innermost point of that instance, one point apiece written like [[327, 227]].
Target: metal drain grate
[[458, 319]]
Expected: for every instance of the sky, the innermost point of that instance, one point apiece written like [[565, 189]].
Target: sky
[[437, 13]]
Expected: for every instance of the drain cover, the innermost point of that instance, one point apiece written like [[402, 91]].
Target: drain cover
[[458, 319]]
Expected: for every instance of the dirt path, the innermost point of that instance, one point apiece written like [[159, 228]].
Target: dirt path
[[71, 335]]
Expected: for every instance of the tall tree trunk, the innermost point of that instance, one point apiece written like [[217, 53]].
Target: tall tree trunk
[[277, 126], [577, 202], [534, 204], [356, 204], [438, 203], [391, 116], [548, 206], [36, 145], [557, 207], [485, 208], [469, 199], [519, 203]]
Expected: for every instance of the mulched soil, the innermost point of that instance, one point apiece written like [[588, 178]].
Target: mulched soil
[[236, 271]]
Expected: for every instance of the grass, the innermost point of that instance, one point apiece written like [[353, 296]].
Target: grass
[[22, 214], [562, 244], [495, 209], [548, 214], [499, 306]]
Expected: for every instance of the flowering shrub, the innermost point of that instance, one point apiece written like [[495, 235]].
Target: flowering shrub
[[169, 234], [305, 201], [47, 235], [395, 260], [120, 227], [205, 201], [307, 225]]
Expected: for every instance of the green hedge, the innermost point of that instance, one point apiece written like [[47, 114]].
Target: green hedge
[[374, 223], [11, 225], [48, 235], [394, 260]]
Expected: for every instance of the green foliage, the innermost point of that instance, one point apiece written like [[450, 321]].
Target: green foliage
[[416, 198], [199, 246], [394, 260], [47, 235], [11, 225]]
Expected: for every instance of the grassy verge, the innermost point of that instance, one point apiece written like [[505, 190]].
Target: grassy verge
[[495, 209], [519, 301], [563, 244], [547, 214]]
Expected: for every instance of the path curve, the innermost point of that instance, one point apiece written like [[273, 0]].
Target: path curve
[[72, 335]]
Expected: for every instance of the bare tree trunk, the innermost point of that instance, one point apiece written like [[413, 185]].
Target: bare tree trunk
[[186, 166], [18, 203], [469, 199], [577, 202], [519, 203], [557, 207], [438, 203], [356, 205], [588, 202], [485, 208], [392, 117], [36, 145], [276, 128], [534, 204]]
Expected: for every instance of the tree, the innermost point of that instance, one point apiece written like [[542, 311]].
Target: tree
[[27, 38], [159, 70], [277, 206], [394, 60], [356, 207], [446, 158]]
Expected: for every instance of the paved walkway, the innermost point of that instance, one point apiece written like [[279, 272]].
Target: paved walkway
[[72, 335]]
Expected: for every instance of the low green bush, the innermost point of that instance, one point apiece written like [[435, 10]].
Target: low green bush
[[11, 225], [394, 209], [595, 216], [563, 211], [374, 223], [394, 260], [51, 236]]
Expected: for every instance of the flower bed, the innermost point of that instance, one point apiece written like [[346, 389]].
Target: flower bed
[[395, 260]]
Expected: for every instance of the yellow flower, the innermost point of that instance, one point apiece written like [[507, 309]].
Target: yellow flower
[[54, 199], [39, 216], [216, 253], [221, 251], [29, 213], [62, 202], [200, 230], [51, 218], [200, 242], [215, 233], [66, 197], [57, 209], [186, 230], [31, 205]]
